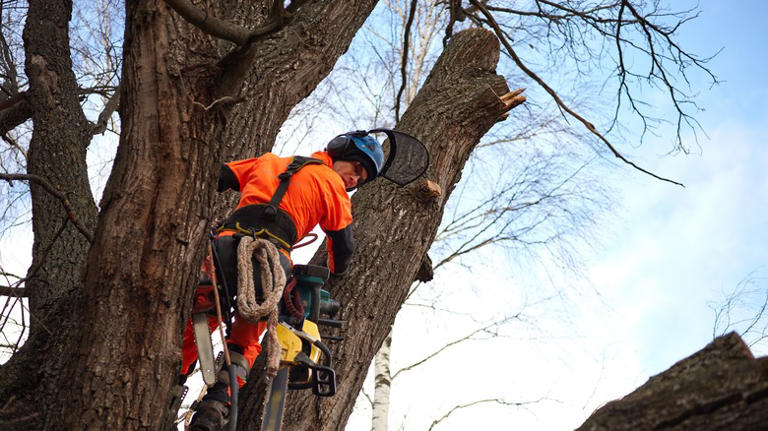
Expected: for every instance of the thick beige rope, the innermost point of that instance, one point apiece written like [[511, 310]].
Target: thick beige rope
[[272, 285]]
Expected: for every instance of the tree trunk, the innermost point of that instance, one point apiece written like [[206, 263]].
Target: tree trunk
[[56, 155], [721, 387], [395, 227], [382, 385], [115, 351]]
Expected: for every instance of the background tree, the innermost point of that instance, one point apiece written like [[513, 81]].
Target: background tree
[[744, 309], [211, 81]]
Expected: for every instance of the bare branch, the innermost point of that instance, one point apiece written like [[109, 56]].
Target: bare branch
[[404, 60], [744, 309], [109, 108], [485, 401], [500, 34], [16, 292], [56, 193], [469, 336]]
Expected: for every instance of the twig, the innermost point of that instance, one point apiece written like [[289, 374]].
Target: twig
[[500, 34], [367, 397], [14, 144], [474, 403], [52, 190], [404, 60]]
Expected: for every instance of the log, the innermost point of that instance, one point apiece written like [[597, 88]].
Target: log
[[721, 387]]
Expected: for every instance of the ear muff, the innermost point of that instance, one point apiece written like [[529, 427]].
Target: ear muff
[[339, 146]]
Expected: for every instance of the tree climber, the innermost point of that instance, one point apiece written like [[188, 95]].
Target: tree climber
[[316, 194]]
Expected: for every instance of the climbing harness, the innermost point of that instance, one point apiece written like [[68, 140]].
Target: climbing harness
[[268, 220]]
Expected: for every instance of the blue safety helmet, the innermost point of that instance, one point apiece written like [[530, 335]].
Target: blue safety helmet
[[361, 147]]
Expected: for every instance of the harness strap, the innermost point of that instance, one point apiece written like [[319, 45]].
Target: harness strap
[[296, 164], [260, 233]]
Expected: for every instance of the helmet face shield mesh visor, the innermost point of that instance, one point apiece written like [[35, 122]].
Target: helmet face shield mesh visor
[[407, 159]]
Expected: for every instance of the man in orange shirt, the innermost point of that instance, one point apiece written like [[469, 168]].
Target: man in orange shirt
[[284, 197]]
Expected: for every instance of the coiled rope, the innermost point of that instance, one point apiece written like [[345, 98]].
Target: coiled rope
[[272, 284]]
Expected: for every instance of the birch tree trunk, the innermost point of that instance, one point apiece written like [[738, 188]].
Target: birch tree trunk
[[383, 383]]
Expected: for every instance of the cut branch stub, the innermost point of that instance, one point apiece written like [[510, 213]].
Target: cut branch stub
[[510, 101], [428, 190]]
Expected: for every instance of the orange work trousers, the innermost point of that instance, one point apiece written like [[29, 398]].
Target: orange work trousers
[[244, 334]]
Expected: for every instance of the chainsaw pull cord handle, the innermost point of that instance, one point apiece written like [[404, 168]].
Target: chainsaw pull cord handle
[[233, 383]]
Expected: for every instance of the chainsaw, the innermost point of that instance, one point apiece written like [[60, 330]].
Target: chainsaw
[[306, 362]]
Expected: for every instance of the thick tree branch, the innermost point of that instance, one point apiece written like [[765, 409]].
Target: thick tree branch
[[13, 112], [225, 30], [56, 193], [210, 24], [109, 108]]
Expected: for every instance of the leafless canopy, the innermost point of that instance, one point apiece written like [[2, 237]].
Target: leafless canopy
[[637, 39]]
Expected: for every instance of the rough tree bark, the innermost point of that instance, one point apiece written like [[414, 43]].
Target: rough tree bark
[[56, 155], [721, 387], [116, 347], [395, 227]]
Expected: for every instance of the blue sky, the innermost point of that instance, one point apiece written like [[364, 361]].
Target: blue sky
[[672, 252], [688, 246]]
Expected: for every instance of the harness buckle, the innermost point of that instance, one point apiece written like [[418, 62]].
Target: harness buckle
[[270, 212]]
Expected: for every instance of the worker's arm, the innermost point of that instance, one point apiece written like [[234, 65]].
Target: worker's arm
[[337, 224], [235, 175], [227, 179], [340, 245]]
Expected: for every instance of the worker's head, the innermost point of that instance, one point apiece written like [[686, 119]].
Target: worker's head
[[357, 158]]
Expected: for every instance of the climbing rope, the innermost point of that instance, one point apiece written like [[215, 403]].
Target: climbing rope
[[272, 284]]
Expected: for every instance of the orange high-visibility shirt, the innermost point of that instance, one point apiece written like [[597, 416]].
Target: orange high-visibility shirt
[[316, 193]]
